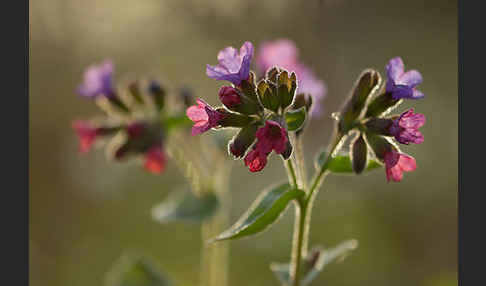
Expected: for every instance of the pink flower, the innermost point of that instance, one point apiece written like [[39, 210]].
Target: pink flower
[[269, 137], [284, 53], [86, 133], [155, 160], [396, 163], [229, 96], [204, 116], [405, 128], [256, 160]]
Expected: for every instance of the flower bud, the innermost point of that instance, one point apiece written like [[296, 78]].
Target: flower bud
[[235, 100], [380, 145], [187, 96], [230, 119], [382, 105], [367, 83], [379, 126], [134, 91], [158, 94], [268, 96], [287, 85], [359, 153], [243, 140]]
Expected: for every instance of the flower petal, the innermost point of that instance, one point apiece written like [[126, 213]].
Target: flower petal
[[395, 68], [412, 78]]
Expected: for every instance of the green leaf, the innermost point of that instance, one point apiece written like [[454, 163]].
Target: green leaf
[[265, 210], [341, 163], [185, 206], [295, 118], [172, 122], [313, 264], [132, 270]]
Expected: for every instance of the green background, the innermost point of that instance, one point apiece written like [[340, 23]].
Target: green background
[[85, 212]]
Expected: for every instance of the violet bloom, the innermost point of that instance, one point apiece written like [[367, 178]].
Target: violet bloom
[[229, 96], [232, 66], [204, 116], [284, 53], [405, 128], [86, 134], [402, 84], [98, 81], [396, 163], [155, 160], [269, 137]]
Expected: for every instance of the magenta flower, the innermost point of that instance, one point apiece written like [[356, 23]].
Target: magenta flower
[[155, 160], [232, 66], [405, 128], [402, 84], [396, 163], [204, 116], [87, 134], [269, 137], [284, 53], [98, 81], [229, 96], [256, 160]]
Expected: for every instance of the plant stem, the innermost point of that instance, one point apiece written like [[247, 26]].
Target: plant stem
[[291, 173], [298, 239]]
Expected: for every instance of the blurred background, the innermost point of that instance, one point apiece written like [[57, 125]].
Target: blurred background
[[85, 212]]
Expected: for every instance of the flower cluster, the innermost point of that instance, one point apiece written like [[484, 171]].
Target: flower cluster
[[135, 121], [369, 117], [284, 53], [259, 110]]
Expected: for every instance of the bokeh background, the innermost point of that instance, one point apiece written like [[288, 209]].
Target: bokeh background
[[85, 212]]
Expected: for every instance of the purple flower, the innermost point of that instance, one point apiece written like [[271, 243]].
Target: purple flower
[[204, 116], [284, 53], [232, 66], [98, 81], [405, 128], [402, 84]]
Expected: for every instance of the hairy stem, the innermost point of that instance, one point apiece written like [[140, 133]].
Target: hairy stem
[[297, 243], [291, 173]]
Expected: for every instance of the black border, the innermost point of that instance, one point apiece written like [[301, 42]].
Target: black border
[[14, 118]]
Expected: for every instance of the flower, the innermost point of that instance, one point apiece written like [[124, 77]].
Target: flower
[[280, 52], [98, 81], [405, 128], [396, 163], [284, 53], [229, 96], [87, 133], [402, 84], [204, 116], [269, 137], [232, 66], [272, 136], [256, 159], [155, 160]]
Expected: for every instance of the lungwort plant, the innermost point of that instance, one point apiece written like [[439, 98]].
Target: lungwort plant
[[261, 113]]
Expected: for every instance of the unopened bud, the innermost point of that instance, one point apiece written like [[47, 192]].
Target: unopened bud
[[158, 94], [359, 154], [243, 140]]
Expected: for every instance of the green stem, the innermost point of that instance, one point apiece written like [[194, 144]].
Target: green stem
[[291, 173], [298, 239]]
